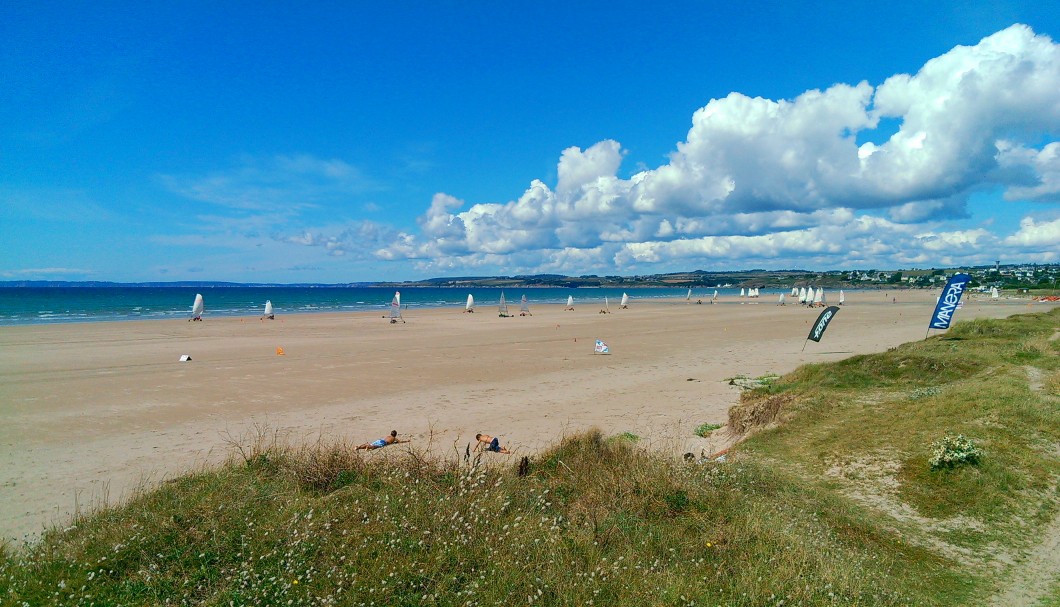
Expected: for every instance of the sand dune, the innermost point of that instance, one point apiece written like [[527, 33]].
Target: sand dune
[[93, 410]]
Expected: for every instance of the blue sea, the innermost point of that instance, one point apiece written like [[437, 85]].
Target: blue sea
[[43, 305]]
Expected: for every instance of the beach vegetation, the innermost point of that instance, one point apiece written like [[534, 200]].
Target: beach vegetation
[[952, 451], [705, 429]]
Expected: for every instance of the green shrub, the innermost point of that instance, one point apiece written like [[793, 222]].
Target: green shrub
[[704, 430], [953, 451]]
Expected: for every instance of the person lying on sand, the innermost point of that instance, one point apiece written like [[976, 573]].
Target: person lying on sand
[[491, 443], [378, 444]]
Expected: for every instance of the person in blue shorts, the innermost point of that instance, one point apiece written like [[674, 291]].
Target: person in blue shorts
[[378, 444], [489, 443]]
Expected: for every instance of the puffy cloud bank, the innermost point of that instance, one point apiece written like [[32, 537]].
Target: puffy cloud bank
[[793, 182]]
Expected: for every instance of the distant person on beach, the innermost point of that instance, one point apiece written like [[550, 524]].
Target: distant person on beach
[[491, 444], [378, 444]]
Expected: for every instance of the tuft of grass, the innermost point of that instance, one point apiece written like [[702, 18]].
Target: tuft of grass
[[705, 429], [627, 437]]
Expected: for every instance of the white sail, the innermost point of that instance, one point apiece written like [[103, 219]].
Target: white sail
[[993, 293], [625, 300], [794, 291], [470, 303], [842, 297], [809, 295], [570, 302], [781, 300], [818, 298], [503, 307], [715, 295], [688, 297], [802, 294], [524, 306], [606, 307], [741, 292], [268, 309], [395, 308], [196, 308]]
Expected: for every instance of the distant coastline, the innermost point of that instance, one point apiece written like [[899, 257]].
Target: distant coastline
[[1001, 276]]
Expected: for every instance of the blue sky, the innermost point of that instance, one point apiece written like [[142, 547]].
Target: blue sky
[[349, 142]]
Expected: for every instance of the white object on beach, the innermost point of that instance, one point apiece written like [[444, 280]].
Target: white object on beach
[[185, 358], [524, 306], [601, 348], [781, 300], [570, 302], [395, 308], [606, 307], [741, 292], [842, 297], [268, 310], [470, 307], [196, 308], [715, 298], [503, 307], [625, 300], [802, 295], [688, 297], [818, 298], [809, 295], [794, 291], [993, 293]]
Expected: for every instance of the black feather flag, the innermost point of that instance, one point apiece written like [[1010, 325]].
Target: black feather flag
[[822, 323]]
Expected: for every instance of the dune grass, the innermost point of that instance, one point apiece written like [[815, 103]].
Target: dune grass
[[831, 501], [595, 522], [866, 425]]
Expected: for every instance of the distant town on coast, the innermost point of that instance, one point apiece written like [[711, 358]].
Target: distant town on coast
[[1010, 276]]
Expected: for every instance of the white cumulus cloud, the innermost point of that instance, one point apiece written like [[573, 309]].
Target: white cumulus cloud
[[784, 181]]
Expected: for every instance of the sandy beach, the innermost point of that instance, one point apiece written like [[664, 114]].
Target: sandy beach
[[94, 410]]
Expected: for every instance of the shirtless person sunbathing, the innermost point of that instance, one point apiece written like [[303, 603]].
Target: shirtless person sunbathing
[[378, 444]]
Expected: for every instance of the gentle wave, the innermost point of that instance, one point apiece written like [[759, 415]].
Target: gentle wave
[[31, 305]]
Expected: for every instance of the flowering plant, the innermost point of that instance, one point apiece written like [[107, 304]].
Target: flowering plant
[[953, 451]]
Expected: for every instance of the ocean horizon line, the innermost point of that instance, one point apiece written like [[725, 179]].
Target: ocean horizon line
[[52, 305]]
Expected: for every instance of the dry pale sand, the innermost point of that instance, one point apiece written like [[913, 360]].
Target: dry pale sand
[[92, 411]]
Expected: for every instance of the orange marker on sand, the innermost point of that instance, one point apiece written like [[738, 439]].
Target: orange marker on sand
[[279, 351]]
